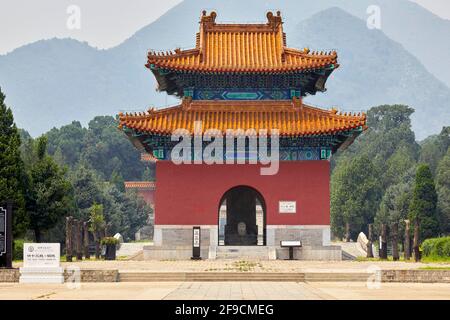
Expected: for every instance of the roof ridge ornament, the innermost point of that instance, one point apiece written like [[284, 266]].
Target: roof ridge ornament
[[274, 21]]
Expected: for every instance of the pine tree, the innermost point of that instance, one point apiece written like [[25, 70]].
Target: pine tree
[[49, 197], [12, 173], [423, 204]]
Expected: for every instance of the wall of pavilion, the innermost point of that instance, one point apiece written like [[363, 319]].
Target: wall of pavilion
[[243, 77]]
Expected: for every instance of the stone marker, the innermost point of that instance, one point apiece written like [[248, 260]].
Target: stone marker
[[41, 263]]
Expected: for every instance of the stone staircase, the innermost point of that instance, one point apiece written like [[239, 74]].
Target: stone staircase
[[143, 276], [245, 252]]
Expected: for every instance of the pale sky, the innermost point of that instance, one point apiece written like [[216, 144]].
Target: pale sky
[[103, 22]]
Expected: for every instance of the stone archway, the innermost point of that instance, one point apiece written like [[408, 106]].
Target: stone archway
[[242, 217]]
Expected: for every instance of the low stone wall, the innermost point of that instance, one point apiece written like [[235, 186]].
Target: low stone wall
[[70, 275], [93, 275], [417, 276], [9, 275]]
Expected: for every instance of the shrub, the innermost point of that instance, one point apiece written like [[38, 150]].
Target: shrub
[[436, 247], [109, 241], [18, 249]]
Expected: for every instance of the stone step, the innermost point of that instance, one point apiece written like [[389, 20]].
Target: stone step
[[240, 276], [242, 252]]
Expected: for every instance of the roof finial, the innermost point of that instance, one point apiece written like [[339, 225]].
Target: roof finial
[[274, 21]]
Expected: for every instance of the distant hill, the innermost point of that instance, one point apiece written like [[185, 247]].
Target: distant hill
[[52, 82], [374, 70]]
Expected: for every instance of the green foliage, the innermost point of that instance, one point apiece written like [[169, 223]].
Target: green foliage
[[434, 148], [100, 147], [87, 190], [355, 192], [387, 151], [12, 173], [49, 194], [18, 249], [443, 191], [394, 205], [109, 241], [423, 203], [97, 218], [436, 247]]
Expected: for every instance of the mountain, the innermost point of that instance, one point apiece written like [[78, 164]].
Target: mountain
[[52, 82], [374, 70]]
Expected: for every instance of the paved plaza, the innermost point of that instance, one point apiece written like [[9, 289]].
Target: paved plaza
[[225, 291]]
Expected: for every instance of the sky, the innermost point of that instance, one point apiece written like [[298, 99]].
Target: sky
[[102, 22]]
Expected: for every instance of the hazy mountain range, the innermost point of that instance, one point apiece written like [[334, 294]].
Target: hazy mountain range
[[52, 82]]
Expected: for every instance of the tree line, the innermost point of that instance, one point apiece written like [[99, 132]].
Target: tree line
[[70, 171], [387, 179]]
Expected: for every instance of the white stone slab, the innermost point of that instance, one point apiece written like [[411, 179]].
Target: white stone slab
[[41, 263]]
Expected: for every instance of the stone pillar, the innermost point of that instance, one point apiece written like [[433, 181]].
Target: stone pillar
[[395, 254], [383, 250], [370, 242], [416, 241], [407, 245], [78, 239], [86, 240], [69, 239]]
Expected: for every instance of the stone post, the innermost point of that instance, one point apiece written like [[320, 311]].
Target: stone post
[[370, 242], [86, 240], [383, 250], [395, 254], [78, 239], [416, 241], [407, 240], [69, 242]]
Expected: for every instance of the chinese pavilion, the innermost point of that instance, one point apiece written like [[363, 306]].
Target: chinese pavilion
[[243, 76]]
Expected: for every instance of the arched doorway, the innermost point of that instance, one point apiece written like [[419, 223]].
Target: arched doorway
[[242, 217]]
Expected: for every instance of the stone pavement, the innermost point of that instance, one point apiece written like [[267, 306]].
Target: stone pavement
[[224, 291], [247, 265]]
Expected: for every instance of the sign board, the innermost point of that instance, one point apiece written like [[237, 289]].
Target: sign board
[[3, 222], [290, 243], [39, 255], [287, 207], [196, 243], [6, 238]]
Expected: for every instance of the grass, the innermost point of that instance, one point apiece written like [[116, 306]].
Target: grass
[[435, 259], [434, 268], [389, 259]]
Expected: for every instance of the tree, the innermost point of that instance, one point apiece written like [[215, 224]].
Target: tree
[[355, 192], [49, 195], [434, 148], [87, 190], [12, 173], [422, 210], [443, 191], [97, 224]]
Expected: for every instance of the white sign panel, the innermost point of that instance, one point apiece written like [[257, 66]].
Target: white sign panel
[[287, 207], [41, 255], [196, 238]]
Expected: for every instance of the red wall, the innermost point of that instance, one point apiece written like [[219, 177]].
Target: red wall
[[190, 194]]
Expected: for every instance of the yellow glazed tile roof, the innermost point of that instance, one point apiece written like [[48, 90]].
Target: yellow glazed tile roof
[[291, 118], [241, 48]]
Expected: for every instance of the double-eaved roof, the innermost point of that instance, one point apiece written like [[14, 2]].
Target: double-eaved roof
[[290, 117], [240, 48]]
